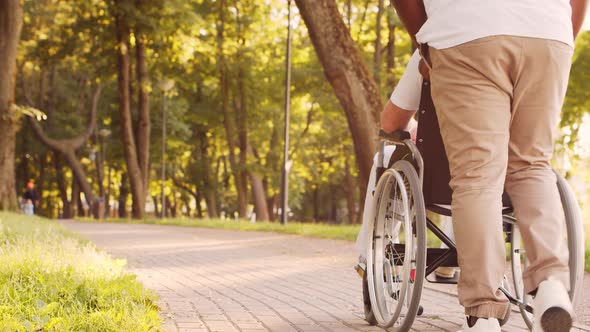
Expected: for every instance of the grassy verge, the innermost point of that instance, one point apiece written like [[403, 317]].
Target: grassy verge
[[320, 230], [52, 281]]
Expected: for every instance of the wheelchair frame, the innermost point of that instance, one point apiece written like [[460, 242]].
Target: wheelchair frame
[[436, 257]]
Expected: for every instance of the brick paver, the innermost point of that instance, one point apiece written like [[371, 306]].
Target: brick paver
[[214, 280]]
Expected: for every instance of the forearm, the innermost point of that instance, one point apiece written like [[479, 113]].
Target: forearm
[[395, 118], [413, 15], [578, 13]]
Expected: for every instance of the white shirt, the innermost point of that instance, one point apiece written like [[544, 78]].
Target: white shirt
[[408, 90], [454, 22]]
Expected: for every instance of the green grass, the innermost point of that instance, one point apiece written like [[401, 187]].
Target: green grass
[[52, 281], [320, 230], [587, 261]]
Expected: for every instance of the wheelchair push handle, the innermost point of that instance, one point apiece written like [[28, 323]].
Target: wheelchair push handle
[[397, 136]]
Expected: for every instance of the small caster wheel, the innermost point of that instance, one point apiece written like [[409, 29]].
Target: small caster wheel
[[420, 310]]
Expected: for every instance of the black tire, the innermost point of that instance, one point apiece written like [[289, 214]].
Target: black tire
[[369, 316]]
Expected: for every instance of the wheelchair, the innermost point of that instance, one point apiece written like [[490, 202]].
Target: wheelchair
[[398, 261]]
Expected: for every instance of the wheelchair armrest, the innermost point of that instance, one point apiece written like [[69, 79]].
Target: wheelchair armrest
[[396, 136]]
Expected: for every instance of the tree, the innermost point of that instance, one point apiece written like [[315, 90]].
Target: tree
[[223, 148], [136, 142], [228, 121], [11, 20], [348, 74], [143, 120], [68, 147], [377, 55]]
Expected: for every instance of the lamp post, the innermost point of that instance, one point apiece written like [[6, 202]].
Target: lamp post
[[165, 86], [286, 162]]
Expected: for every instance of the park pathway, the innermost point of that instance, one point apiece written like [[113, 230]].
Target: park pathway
[[216, 280]]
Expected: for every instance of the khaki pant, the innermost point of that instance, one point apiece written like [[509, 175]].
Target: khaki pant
[[498, 101]]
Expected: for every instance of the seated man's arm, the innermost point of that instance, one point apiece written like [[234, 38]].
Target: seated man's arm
[[404, 100], [395, 118]]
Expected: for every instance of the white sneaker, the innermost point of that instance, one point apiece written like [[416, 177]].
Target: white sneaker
[[552, 308], [482, 325]]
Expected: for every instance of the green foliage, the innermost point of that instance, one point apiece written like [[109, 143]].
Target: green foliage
[[68, 46], [577, 101], [51, 281]]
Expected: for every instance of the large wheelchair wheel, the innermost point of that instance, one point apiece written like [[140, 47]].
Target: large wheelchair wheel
[[575, 243], [396, 261], [369, 316]]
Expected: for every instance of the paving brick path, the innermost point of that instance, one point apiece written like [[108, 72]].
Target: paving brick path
[[214, 280]]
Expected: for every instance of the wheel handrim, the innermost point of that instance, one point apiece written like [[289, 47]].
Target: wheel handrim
[[394, 297]]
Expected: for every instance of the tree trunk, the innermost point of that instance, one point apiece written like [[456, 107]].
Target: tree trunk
[[227, 119], [260, 205], [350, 186], [272, 161], [107, 199], [11, 21], [62, 186], [316, 204], [75, 199], [171, 207], [156, 205], [258, 193], [68, 147], [209, 183], [99, 164], [390, 56], [123, 193], [186, 203], [80, 176], [345, 70], [143, 118], [129, 146], [198, 199], [242, 116], [377, 54], [42, 208], [81, 210], [270, 206], [242, 174]]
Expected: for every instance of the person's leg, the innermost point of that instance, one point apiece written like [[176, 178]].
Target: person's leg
[[541, 83], [472, 90]]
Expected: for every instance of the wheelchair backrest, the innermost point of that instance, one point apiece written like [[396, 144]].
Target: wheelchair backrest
[[436, 188]]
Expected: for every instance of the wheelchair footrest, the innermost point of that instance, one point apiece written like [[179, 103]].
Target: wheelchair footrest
[[435, 254]]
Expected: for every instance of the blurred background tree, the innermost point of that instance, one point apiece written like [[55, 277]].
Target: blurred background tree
[[224, 111]]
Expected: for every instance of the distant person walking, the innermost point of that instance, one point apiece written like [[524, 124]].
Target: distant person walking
[[30, 199]]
